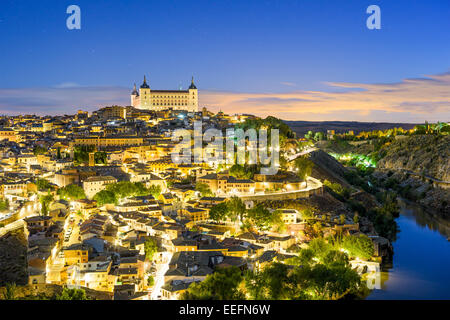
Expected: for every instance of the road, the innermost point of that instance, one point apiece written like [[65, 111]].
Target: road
[[161, 269], [304, 152]]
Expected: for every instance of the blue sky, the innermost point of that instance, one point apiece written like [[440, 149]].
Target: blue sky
[[236, 47]]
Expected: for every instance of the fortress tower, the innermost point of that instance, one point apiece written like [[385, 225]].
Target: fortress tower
[[149, 99]]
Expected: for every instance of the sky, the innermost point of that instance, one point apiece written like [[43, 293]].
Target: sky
[[297, 60]]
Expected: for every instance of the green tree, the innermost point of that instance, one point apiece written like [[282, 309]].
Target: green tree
[[358, 246], [303, 167], [10, 291], [204, 189], [45, 203], [39, 150], [272, 283], [100, 157], [72, 294], [236, 209], [150, 248], [155, 190], [4, 204], [105, 197], [43, 184], [72, 192], [219, 212], [150, 281], [223, 284]]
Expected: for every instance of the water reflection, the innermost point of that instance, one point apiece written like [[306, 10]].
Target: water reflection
[[419, 267]]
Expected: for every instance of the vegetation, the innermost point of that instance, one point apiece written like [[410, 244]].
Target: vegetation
[[39, 150], [243, 172], [256, 218], [45, 203], [303, 167], [223, 284], [4, 204], [319, 272], [105, 197], [150, 281], [336, 190], [150, 248], [358, 246], [316, 136], [155, 190], [71, 192], [43, 184], [10, 291], [204, 190], [72, 294], [116, 191]]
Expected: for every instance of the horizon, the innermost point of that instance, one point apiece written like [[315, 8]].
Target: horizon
[[296, 60]]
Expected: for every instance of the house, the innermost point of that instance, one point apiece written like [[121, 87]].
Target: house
[[95, 184], [76, 253]]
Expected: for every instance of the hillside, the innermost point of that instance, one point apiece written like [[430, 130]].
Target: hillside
[[422, 154], [302, 127]]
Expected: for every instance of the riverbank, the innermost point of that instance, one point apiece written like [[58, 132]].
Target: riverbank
[[421, 259]]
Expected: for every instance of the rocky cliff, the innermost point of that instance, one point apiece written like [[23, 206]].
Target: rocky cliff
[[427, 155]]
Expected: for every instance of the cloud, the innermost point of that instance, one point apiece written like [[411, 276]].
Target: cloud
[[411, 100], [66, 98]]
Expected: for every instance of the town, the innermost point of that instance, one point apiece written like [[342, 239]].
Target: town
[[104, 211]]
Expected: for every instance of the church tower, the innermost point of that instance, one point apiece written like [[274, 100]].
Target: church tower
[[135, 97], [193, 97], [145, 96]]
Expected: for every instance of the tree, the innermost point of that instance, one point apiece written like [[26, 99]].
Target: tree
[[72, 192], [319, 136], [320, 248], [4, 205], [43, 184], [219, 212], [335, 258], [204, 189], [358, 246], [223, 284], [269, 284], [45, 203], [10, 291], [72, 294], [305, 257], [150, 281], [342, 219], [150, 248], [323, 282], [303, 167], [236, 208], [100, 157], [105, 197], [263, 219], [39, 150], [155, 190]]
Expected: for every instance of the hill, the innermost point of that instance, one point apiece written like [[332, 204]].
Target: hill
[[302, 127]]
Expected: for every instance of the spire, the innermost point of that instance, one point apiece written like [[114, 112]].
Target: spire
[[145, 85], [192, 86], [135, 92]]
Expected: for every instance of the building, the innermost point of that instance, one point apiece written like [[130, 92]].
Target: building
[[93, 185], [8, 134], [111, 141], [150, 99], [223, 183]]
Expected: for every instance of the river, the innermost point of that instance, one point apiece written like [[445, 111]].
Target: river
[[421, 263]]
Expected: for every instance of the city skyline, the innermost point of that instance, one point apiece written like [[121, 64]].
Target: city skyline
[[295, 60]]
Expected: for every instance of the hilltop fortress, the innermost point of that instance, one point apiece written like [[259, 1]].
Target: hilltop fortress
[[150, 99]]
